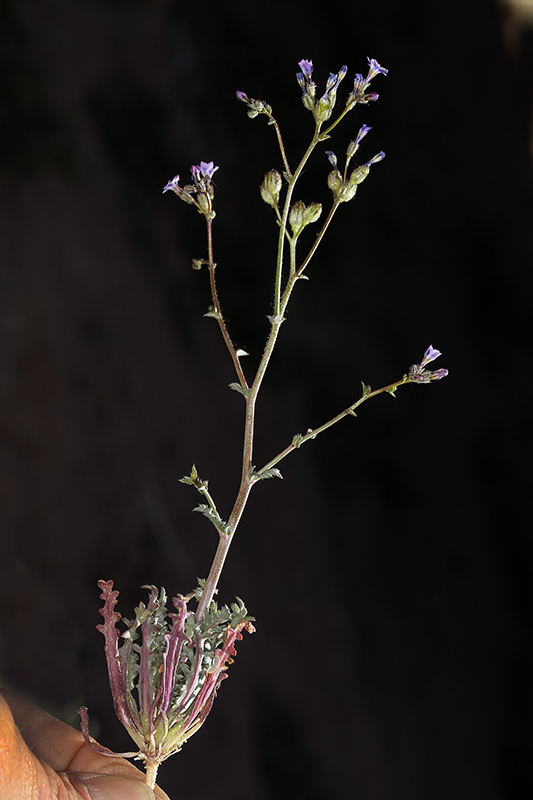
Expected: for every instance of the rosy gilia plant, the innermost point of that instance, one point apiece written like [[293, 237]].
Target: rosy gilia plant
[[165, 675]]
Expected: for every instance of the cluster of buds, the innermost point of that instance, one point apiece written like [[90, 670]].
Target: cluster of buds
[[418, 372], [201, 192], [164, 685], [255, 107], [323, 107], [344, 187]]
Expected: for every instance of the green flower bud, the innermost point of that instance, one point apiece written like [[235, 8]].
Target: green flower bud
[[205, 206], [359, 174], [324, 108], [335, 182], [271, 187], [348, 192], [296, 217], [312, 213]]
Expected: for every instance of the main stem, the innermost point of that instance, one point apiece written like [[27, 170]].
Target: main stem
[[281, 299]]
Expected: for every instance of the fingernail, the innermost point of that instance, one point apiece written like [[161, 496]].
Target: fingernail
[[116, 787]]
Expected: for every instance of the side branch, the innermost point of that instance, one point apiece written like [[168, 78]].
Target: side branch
[[312, 433], [216, 312]]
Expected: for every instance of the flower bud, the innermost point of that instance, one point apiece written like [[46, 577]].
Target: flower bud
[[204, 205], [335, 181], [312, 213], [271, 187], [359, 174], [348, 192], [296, 217]]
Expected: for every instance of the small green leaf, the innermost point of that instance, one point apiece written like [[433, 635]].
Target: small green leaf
[[273, 472], [241, 389]]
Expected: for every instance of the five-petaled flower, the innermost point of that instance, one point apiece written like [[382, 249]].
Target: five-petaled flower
[[306, 66], [206, 170], [374, 69]]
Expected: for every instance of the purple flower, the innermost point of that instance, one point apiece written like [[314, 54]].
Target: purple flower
[[374, 70], [437, 374], [172, 185], [430, 355], [242, 96], [362, 132], [332, 158], [206, 170], [379, 157], [418, 373], [358, 83], [306, 67]]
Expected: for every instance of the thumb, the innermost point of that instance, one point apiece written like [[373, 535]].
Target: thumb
[[112, 787]]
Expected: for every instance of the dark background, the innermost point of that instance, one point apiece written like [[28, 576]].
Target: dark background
[[390, 572]]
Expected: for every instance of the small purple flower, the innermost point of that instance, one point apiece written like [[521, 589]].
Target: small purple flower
[[418, 373], [206, 170], [332, 158], [358, 83], [172, 185], [242, 96], [306, 67], [430, 355], [374, 70], [362, 132], [379, 157], [437, 374]]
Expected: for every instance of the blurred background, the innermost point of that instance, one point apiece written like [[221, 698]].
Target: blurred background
[[390, 572]]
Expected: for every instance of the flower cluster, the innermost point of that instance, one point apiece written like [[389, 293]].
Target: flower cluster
[[323, 107], [343, 187], [164, 685], [201, 192], [418, 372]]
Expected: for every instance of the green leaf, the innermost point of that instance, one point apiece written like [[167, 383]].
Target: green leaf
[[215, 518], [241, 389], [273, 472]]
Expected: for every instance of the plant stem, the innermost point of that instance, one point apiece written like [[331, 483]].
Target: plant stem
[[217, 310], [313, 433], [281, 299], [151, 774]]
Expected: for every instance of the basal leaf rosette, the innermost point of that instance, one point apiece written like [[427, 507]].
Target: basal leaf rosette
[[165, 675]]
